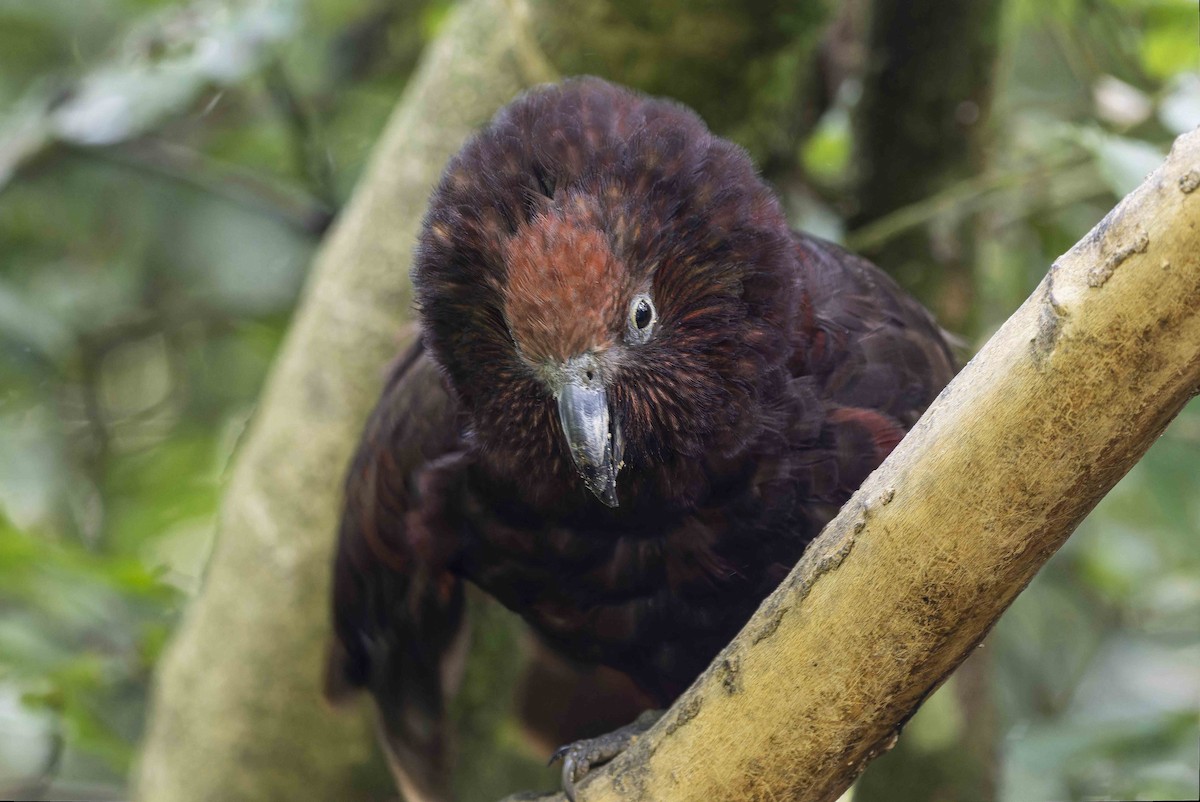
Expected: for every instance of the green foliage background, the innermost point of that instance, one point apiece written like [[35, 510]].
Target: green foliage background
[[166, 169]]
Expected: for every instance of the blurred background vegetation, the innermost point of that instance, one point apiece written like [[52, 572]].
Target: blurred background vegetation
[[166, 170]]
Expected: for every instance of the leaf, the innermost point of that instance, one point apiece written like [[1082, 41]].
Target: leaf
[[1168, 43], [1179, 111], [115, 104], [167, 63], [1120, 103], [1124, 163], [32, 470], [826, 154], [24, 323], [23, 135]]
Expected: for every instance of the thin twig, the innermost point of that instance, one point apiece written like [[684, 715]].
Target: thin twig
[[961, 198], [252, 190], [310, 156]]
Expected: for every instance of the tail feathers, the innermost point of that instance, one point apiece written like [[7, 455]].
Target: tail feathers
[[416, 744], [409, 662], [410, 721]]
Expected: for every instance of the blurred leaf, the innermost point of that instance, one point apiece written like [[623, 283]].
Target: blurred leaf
[[26, 735], [826, 154], [809, 213], [1180, 109], [1135, 759], [1120, 103], [157, 491], [433, 17], [1123, 162], [1138, 678], [1118, 559], [167, 62], [71, 638], [1044, 644], [253, 267], [114, 104], [22, 321], [1169, 39], [24, 133], [32, 473], [940, 722]]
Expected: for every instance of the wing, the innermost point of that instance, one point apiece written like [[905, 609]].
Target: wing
[[397, 608], [877, 358]]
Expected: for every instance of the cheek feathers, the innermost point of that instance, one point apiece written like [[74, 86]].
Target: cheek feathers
[[564, 288]]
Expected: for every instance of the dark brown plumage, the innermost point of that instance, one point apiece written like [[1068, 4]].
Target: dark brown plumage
[[637, 398]]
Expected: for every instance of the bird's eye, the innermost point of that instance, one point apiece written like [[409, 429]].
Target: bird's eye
[[641, 316]]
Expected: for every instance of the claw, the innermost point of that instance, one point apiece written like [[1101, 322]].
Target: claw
[[579, 758]]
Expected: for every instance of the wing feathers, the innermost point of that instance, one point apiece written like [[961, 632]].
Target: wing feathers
[[398, 610]]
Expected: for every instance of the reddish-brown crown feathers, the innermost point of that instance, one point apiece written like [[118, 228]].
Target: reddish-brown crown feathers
[[565, 288]]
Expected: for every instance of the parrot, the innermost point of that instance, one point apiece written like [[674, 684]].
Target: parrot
[[636, 396]]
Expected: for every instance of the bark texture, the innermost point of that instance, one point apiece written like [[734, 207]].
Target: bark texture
[[923, 560], [236, 711]]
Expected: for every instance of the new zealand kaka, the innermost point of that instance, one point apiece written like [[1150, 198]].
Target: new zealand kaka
[[636, 398]]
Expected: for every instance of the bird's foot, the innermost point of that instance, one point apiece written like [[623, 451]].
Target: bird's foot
[[582, 756]]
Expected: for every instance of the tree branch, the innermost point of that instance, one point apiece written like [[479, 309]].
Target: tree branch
[[925, 557]]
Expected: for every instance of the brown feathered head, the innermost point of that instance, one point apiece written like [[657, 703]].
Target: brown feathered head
[[608, 288]]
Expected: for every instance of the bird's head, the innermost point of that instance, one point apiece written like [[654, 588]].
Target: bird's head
[[608, 287]]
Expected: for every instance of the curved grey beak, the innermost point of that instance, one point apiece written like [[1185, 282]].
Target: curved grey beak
[[593, 437]]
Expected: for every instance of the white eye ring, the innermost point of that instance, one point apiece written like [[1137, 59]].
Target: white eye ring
[[642, 317]]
